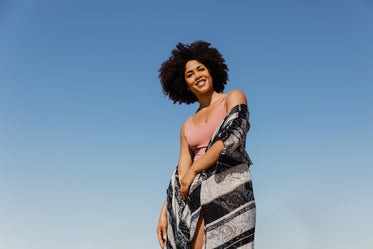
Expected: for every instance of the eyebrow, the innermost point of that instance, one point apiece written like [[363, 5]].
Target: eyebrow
[[190, 71]]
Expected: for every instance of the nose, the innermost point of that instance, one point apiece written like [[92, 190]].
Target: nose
[[198, 75]]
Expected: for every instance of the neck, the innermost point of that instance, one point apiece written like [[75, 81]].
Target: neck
[[206, 99]]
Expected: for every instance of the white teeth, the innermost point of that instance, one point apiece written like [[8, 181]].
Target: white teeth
[[201, 82]]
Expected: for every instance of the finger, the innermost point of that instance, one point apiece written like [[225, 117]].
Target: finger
[[182, 192], [185, 194], [164, 237], [160, 239]]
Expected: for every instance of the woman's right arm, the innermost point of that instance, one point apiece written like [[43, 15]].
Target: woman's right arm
[[186, 154], [185, 162]]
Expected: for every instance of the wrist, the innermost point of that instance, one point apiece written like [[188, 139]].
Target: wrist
[[193, 170]]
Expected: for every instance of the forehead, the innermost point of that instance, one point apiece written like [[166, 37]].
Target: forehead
[[192, 64]]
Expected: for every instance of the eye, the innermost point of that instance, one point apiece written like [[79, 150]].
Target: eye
[[201, 69], [189, 75]]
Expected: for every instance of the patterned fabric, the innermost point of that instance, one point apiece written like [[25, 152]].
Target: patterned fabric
[[222, 194]]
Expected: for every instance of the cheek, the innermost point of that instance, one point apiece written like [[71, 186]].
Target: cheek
[[189, 80]]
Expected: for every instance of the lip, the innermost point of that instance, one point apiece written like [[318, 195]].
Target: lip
[[199, 81]]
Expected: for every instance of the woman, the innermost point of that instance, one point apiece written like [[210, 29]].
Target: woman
[[210, 201]]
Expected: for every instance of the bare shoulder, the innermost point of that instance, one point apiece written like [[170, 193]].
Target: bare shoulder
[[235, 97], [183, 127]]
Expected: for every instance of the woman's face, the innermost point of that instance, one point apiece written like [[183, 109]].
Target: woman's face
[[198, 78]]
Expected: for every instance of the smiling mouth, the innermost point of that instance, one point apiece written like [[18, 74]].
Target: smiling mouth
[[201, 83]]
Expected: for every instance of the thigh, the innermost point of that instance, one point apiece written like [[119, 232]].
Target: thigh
[[198, 237]]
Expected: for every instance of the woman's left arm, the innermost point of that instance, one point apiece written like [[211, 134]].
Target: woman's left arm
[[211, 156]]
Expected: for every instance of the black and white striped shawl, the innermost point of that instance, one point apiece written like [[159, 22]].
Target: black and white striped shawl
[[222, 194]]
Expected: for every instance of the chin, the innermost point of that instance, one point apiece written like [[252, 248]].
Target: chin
[[204, 91]]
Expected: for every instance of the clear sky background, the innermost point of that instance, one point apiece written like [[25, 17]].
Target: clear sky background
[[88, 141]]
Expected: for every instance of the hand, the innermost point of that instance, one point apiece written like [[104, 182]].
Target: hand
[[162, 228], [185, 183]]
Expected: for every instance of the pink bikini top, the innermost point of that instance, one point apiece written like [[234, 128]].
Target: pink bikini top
[[198, 137]]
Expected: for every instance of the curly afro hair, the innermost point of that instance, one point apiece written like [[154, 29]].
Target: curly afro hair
[[172, 71]]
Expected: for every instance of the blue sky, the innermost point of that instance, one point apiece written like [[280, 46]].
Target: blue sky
[[88, 142]]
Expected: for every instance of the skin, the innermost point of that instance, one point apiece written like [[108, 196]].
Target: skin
[[199, 82]]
